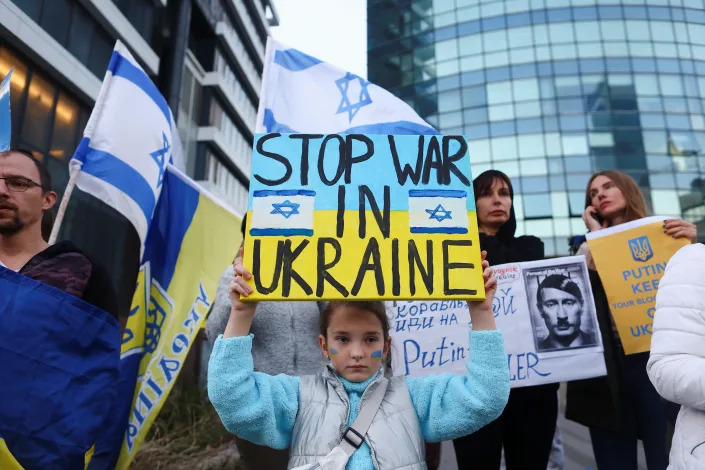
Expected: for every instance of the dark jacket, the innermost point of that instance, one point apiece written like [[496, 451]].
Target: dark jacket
[[506, 248], [67, 268], [595, 402]]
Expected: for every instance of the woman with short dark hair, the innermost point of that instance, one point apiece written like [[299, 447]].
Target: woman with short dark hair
[[526, 427]]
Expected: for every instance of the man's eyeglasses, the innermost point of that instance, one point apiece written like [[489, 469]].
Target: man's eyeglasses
[[19, 184]]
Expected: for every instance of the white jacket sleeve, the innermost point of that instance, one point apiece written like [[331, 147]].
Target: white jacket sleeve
[[676, 365]]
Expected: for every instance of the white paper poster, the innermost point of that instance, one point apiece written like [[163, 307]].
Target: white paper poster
[[544, 308]]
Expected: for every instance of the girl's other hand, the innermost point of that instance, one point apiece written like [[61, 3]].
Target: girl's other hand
[[241, 313], [481, 314], [239, 268], [679, 228]]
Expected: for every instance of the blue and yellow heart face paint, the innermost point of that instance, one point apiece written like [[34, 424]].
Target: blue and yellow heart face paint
[[376, 356], [333, 352], [384, 217]]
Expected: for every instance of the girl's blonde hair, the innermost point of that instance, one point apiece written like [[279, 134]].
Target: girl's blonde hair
[[634, 198]]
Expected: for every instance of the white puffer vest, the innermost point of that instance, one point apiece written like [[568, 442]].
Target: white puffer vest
[[677, 362], [394, 436]]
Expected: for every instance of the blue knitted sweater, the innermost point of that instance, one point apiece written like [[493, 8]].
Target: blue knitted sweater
[[262, 408]]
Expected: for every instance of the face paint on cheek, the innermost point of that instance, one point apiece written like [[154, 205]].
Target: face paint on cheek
[[377, 355], [333, 352]]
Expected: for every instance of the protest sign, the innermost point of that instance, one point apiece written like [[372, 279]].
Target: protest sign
[[544, 309], [631, 259], [370, 217]]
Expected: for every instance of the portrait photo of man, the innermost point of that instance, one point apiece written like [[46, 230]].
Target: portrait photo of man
[[562, 305]]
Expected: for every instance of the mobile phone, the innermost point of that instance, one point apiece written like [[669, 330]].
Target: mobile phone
[[596, 215]]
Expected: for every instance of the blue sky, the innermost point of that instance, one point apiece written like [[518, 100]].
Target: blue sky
[[334, 31]]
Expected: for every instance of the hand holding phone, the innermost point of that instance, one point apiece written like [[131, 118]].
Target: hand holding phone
[[593, 220]]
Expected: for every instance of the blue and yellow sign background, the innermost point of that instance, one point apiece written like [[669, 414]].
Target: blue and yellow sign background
[[362, 216], [631, 259]]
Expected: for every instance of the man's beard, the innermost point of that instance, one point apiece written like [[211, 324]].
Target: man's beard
[[13, 225]]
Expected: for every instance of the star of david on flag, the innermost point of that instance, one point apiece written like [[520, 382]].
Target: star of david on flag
[[128, 142], [286, 208], [438, 211], [301, 93], [357, 102], [282, 212], [161, 157]]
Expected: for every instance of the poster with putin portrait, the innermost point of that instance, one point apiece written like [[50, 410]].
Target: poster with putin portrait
[[544, 309]]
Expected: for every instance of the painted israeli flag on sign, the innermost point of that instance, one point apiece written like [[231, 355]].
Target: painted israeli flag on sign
[[129, 140], [5, 120], [282, 213], [438, 211], [303, 94]]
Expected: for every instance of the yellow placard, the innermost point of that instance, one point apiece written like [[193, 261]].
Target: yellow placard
[[631, 259], [362, 217]]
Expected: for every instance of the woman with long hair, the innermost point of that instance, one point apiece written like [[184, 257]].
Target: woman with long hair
[[526, 426], [622, 406]]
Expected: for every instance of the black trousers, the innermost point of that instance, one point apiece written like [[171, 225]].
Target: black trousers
[[525, 429], [643, 415]]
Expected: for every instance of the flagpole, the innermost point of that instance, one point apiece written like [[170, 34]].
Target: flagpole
[[73, 176]]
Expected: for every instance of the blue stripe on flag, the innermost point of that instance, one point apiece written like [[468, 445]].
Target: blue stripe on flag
[[280, 232], [396, 128], [438, 230], [112, 170], [5, 120], [272, 125], [121, 67], [294, 60], [437, 193], [283, 192]]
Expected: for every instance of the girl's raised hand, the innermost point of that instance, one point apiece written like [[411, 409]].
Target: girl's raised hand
[[241, 313], [481, 314]]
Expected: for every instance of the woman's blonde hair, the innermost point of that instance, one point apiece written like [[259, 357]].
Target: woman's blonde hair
[[634, 198]]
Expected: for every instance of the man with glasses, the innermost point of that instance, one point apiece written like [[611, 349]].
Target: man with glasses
[[561, 304], [25, 196]]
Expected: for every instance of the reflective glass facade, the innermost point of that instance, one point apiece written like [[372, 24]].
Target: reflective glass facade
[[550, 91]]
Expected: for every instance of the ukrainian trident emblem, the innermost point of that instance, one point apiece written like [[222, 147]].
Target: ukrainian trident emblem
[[641, 249]]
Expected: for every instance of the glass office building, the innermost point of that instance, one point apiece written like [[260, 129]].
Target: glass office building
[[550, 91]]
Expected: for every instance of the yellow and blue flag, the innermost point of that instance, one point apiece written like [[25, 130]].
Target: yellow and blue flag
[[191, 240], [60, 364]]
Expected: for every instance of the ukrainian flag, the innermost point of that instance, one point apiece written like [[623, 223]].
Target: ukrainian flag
[[59, 361], [191, 241]]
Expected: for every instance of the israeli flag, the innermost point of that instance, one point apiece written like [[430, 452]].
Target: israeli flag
[[438, 211], [129, 140], [282, 213], [303, 94], [5, 121]]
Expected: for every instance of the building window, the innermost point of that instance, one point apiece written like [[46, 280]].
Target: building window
[[72, 26]]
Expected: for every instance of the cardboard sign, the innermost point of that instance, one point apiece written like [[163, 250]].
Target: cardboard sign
[[366, 217], [544, 309], [631, 259]]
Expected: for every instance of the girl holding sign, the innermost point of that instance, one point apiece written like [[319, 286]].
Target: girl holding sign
[[623, 406], [527, 426], [318, 415]]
